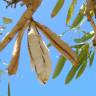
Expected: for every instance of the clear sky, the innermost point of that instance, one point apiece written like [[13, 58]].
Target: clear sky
[[25, 82]]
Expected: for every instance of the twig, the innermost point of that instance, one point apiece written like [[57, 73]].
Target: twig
[[25, 17], [92, 23]]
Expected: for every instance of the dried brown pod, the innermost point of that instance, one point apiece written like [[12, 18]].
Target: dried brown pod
[[39, 55], [13, 66], [59, 44]]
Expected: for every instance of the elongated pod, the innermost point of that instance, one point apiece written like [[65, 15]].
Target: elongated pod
[[60, 45], [13, 66], [39, 55]]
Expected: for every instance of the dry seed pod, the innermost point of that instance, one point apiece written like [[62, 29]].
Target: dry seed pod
[[13, 66], [39, 55], [60, 45]]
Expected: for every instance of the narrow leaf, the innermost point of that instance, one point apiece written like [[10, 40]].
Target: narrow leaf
[[57, 7], [71, 74], [71, 11], [7, 20], [49, 45], [73, 70], [1, 72], [78, 46], [59, 66], [92, 58], [82, 69], [79, 18], [84, 38], [84, 53]]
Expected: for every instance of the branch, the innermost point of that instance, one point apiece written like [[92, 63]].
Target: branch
[[25, 17], [31, 3], [91, 22]]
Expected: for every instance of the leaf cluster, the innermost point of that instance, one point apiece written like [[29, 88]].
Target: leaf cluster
[[85, 47]]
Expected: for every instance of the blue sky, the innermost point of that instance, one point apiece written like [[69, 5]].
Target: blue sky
[[25, 83]]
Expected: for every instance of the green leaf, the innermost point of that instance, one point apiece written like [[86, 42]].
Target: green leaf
[[92, 58], [84, 38], [49, 45], [9, 89], [79, 18], [78, 46], [84, 53], [7, 20], [59, 66], [82, 56], [71, 74], [57, 7], [71, 11], [1, 72], [82, 68]]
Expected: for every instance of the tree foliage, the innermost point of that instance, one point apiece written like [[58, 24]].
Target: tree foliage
[[84, 47]]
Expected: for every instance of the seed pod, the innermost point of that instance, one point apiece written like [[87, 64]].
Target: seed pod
[[13, 66], [39, 55], [59, 44]]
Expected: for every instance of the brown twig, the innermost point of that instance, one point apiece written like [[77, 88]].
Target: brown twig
[[92, 23], [24, 18]]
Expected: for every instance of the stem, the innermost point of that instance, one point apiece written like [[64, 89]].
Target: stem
[[92, 23]]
